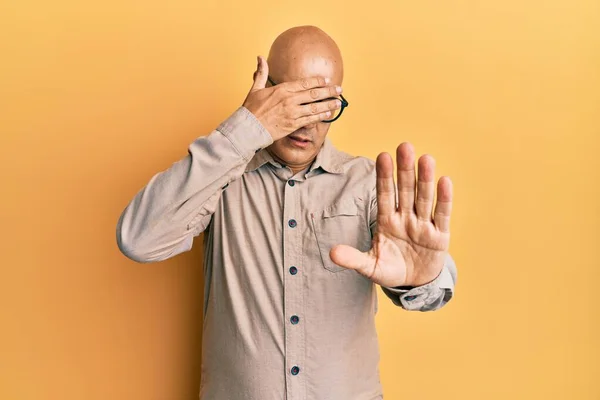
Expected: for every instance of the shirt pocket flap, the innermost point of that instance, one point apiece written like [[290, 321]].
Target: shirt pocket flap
[[347, 207]]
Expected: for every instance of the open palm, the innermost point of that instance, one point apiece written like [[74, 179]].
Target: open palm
[[410, 245]]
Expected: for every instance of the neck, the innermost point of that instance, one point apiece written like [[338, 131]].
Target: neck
[[294, 167]]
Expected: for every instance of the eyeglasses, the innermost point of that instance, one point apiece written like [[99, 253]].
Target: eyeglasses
[[336, 113]]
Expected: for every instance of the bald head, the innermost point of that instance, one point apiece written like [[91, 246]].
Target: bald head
[[305, 51]]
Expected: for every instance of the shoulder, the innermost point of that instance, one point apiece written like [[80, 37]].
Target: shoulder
[[360, 176], [356, 165]]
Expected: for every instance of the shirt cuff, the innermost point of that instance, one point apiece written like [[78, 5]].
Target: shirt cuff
[[245, 132], [428, 297]]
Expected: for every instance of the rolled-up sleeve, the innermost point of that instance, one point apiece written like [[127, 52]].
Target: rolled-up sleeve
[[429, 297]]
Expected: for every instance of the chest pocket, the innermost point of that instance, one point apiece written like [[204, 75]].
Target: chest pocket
[[340, 223]]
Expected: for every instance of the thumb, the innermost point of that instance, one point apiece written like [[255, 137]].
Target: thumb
[[349, 257], [261, 74]]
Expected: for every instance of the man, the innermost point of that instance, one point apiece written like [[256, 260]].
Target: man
[[296, 235]]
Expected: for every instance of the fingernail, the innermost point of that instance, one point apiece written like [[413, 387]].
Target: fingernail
[[338, 103], [327, 80], [328, 113], [338, 89]]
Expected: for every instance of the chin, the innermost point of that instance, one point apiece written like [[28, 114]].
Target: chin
[[289, 153]]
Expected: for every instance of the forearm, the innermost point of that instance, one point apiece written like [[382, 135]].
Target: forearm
[[177, 203]]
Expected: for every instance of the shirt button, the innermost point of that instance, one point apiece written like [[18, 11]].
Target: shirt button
[[293, 270], [292, 223], [291, 183], [295, 319], [295, 370], [410, 298]]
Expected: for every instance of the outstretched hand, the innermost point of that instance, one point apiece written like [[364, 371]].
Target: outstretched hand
[[410, 245]]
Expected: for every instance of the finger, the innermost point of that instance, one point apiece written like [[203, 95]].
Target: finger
[[443, 205], [316, 94], [261, 75], [425, 188], [317, 108], [405, 160], [307, 83], [349, 257], [386, 192], [311, 119]]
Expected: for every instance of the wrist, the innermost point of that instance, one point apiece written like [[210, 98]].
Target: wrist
[[421, 280], [246, 132]]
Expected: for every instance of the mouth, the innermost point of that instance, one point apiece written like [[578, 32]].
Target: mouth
[[299, 141]]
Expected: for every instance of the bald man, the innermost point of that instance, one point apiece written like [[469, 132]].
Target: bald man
[[297, 236]]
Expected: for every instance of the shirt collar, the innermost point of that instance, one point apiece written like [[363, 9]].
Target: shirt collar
[[329, 159], [260, 158]]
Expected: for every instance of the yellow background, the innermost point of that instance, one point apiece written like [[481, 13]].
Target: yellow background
[[97, 97]]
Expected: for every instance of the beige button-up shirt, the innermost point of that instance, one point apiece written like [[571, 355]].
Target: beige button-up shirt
[[281, 320]]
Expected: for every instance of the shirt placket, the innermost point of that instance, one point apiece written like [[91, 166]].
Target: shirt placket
[[293, 293]]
